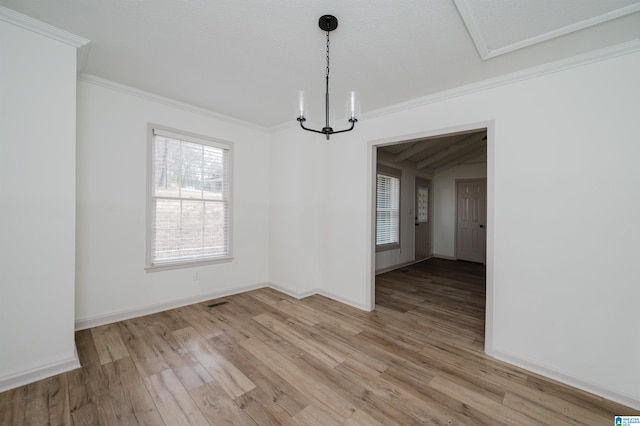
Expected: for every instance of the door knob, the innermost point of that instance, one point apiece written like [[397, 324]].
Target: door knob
[[481, 226]]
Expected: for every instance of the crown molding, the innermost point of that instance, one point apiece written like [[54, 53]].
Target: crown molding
[[23, 21], [42, 28], [81, 58], [621, 49], [132, 91]]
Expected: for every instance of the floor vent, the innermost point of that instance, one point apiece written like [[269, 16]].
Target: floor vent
[[213, 305]]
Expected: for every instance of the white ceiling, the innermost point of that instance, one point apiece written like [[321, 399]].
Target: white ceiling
[[249, 58], [501, 26]]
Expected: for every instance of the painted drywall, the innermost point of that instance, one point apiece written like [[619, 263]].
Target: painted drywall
[[444, 205], [295, 207], [563, 234], [37, 205], [111, 201], [388, 259]]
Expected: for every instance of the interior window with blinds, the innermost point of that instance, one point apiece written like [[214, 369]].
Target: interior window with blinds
[[387, 208], [189, 200]]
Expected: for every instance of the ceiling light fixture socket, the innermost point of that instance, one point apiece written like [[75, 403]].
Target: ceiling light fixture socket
[[328, 22]]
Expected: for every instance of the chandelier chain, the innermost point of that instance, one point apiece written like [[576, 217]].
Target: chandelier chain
[[327, 53]]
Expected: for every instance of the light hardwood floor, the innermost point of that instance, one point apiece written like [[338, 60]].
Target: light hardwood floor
[[265, 358]]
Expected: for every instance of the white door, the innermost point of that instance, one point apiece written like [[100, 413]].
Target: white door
[[471, 220], [422, 220]]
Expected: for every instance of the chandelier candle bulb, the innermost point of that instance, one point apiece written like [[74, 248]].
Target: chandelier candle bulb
[[352, 105], [301, 104]]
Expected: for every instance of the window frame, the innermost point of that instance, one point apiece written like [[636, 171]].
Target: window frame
[[192, 138], [397, 174]]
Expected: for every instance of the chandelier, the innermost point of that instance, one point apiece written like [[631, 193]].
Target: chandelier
[[328, 23]]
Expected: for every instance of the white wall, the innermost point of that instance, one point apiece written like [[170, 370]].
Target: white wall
[[295, 209], [444, 205], [313, 190], [37, 205], [386, 260], [111, 201], [562, 182]]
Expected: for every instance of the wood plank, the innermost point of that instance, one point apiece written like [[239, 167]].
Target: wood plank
[[173, 401], [47, 402], [323, 395], [232, 380], [341, 341], [262, 409], [108, 343], [13, 406], [361, 418], [322, 352], [145, 356], [170, 319], [272, 386], [560, 392], [206, 327], [84, 385], [316, 416], [537, 412], [478, 401], [189, 371], [126, 399], [87, 352], [422, 408], [216, 405]]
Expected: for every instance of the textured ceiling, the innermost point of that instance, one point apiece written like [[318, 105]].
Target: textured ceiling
[[501, 26], [249, 58]]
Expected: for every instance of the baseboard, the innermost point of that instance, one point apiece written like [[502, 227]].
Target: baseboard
[[586, 386], [288, 292], [394, 267], [444, 256], [342, 300], [96, 321], [31, 375], [314, 292]]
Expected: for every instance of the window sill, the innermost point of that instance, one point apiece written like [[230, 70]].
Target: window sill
[[387, 247], [186, 264]]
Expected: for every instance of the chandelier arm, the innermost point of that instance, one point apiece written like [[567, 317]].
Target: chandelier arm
[[353, 123], [311, 130]]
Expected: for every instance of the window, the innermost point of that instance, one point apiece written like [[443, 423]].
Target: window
[[387, 208], [423, 204], [189, 199]]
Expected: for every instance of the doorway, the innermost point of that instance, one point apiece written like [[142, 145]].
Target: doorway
[[463, 144]]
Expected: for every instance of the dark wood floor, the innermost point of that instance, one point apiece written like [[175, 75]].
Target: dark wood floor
[[265, 358]]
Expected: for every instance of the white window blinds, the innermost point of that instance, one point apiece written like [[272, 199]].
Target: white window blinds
[[387, 209], [190, 199]]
